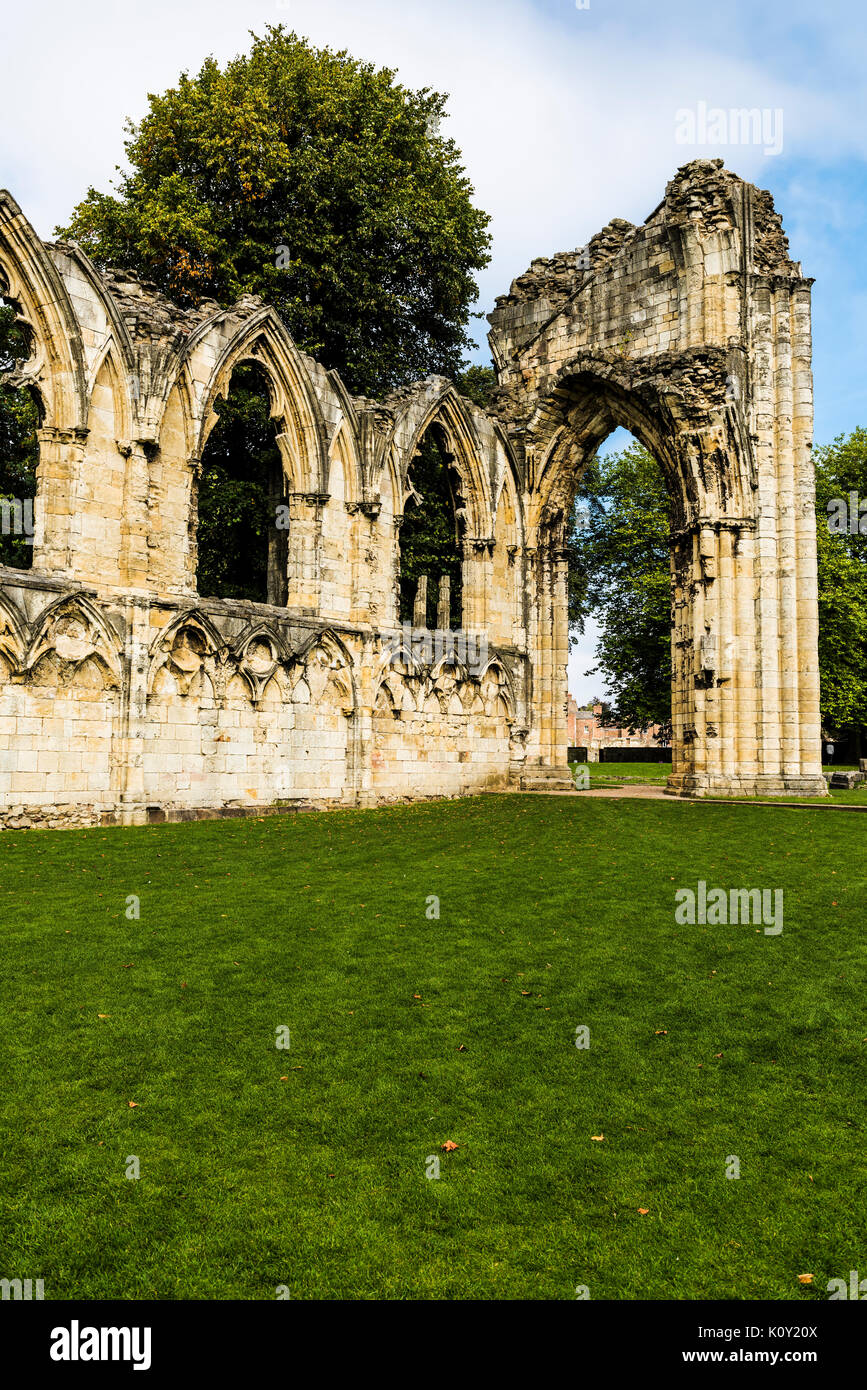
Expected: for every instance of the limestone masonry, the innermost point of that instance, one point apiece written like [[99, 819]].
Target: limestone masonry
[[127, 696]]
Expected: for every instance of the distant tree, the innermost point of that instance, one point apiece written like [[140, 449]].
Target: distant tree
[[841, 469], [239, 491], [429, 539], [619, 571], [477, 384], [19, 446]]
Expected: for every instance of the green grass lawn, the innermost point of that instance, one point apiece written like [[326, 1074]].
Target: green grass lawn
[[625, 774], [307, 1168], [656, 775]]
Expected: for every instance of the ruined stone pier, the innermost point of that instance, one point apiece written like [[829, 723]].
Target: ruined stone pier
[[125, 695]]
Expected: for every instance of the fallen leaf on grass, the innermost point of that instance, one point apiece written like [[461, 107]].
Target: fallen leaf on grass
[[597, 1137], [132, 1104], [644, 1211], [805, 1278], [661, 1032], [449, 1146]]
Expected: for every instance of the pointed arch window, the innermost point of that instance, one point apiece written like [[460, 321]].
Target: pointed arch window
[[21, 415], [431, 551], [241, 551]]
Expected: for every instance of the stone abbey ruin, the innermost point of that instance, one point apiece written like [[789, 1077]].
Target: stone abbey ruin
[[126, 696]]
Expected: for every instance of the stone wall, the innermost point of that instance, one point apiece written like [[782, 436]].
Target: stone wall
[[125, 695]]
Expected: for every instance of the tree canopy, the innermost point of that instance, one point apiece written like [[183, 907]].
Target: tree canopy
[[429, 540], [619, 572], [841, 469], [238, 493], [321, 184]]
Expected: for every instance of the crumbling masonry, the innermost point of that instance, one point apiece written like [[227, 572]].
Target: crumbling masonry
[[127, 696]]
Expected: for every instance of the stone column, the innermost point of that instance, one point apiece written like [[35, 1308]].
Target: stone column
[[304, 558], [419, 608], [477, 577], [57, 524], [807, 613], [361, 734], [686, 773], [560, 658], [444, 603], [135, 523], [128, 757], [550, 640], [277, 542], [191, 556], [790, 736]]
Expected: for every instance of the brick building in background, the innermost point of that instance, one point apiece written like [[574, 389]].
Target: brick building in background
[[586, 730]]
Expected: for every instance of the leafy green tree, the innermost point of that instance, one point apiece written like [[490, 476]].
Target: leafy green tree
[[239, 491], [321, 184], [619, 571], [477, 384], [317, 182], [19, 447], [429, 541], [841, 469]]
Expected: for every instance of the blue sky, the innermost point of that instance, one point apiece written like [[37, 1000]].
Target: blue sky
[[566, 118]]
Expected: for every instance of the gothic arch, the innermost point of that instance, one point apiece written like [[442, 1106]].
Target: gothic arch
[[75, 629], [188, 647], [259, 653], [57, 365], [692, 330], [326, 650], [263, 339], [696, 436], [13, 634], [109, 341], [494, 671], [437, 402]]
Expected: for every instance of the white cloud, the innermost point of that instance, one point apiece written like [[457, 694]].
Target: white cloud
[[566, 118], [582, 658]]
